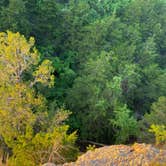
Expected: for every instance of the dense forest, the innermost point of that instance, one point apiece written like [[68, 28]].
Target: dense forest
[[74, 71]]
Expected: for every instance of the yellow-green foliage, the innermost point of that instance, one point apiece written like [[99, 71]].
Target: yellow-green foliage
[[90, 147], [16, 106], [18, 55], [29, 135], [43, 73], [159, 132], [54, 146]]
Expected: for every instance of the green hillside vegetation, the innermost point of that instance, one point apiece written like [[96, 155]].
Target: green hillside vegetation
[[75, 71]]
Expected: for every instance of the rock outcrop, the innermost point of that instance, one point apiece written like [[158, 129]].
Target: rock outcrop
[[49, 164], [122, 155]]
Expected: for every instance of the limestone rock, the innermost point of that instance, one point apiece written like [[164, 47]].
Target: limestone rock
[[122, 155], [49, 164]]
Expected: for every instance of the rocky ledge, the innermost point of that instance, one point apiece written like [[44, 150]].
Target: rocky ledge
[[122, 155]]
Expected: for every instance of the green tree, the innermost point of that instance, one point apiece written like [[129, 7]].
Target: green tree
[[14, 17], [124, 124], [96, 92], [155, 117], [73, 34]]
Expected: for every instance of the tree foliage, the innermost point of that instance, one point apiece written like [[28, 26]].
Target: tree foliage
[[160, 133], [108, 58], [23, 110], [127, 124], [155, 118]]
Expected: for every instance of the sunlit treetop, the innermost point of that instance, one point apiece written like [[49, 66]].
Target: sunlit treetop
[[18, 55]]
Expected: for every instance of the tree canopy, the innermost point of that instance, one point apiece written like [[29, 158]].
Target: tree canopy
[[104, 61]]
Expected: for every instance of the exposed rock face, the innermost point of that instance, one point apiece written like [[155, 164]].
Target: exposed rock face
[[49, 164], [122, 155]]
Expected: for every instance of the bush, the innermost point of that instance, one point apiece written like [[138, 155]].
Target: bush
[[155, 118], [159, 132], [55, 146]]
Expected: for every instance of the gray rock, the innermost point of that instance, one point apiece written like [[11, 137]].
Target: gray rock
[[49, 164]]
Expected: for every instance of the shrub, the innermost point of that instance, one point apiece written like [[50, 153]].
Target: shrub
[[159, 132]]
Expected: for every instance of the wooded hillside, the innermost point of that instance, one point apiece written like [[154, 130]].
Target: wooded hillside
[[75, 71]]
